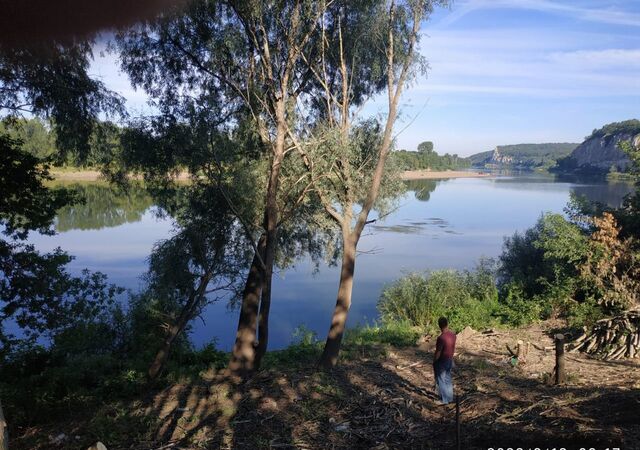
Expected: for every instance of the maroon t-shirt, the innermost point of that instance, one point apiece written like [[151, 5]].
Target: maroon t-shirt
[[446, 343]]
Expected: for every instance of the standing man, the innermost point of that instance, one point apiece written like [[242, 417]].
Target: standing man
[[443, 360]]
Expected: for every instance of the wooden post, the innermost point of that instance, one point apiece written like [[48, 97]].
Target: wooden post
[[458, 443], [560, 375]]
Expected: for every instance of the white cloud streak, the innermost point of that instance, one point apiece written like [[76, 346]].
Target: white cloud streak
[[600, 15]]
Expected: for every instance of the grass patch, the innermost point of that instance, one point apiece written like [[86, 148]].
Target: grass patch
[[396, 333], [304, 351]]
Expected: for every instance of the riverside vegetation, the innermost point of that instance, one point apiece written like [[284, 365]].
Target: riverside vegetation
[[280, 169], [560, 267]]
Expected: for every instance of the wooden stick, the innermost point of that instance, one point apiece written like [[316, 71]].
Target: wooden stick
[[458, 440], [560, 375]]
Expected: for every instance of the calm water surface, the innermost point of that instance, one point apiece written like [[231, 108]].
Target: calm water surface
[[439, 224]]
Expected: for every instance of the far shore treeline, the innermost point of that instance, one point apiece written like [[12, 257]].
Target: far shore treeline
[[39, 139]]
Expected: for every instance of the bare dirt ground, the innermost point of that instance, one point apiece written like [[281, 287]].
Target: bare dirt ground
[[386, 402], [384, 399]]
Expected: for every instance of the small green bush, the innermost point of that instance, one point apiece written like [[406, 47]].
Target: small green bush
[[467, 298], [515, 308]]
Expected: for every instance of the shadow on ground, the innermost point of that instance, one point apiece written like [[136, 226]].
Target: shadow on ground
[[382, 403]]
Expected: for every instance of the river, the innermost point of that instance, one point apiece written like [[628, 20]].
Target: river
[[437, 224]]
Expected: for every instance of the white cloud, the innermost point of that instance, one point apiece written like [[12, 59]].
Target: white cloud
[[531, 62], [601, 15], [609, 58]]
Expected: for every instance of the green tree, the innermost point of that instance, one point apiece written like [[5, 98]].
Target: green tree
[[545, 258], [47, 80], [425, 147], [200, 264], [347, 160], [235, 85], [50, 80], [36, 290], [37, 139]]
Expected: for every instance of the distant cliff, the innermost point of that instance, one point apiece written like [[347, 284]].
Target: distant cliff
[[601, 152], [522, 156]]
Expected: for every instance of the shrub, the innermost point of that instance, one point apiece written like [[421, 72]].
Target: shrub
[[516, 308], [467, 298], [539, 270]]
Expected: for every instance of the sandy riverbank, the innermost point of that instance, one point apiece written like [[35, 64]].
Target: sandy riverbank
[[433, 174], [94, 175]]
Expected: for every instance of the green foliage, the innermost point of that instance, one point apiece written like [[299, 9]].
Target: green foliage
[[544, 256], [26, 203], [516, 309], [50, 80], [467, 298], [36, 291], [579, 270], [38, 140], [629, 215], [427, 158], [425, 147], [631, 126], [525, 156]]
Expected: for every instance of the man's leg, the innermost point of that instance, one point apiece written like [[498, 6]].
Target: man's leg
[[445, 385], [447, 392]]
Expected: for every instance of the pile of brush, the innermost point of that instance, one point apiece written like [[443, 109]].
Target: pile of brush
[[613, 338]]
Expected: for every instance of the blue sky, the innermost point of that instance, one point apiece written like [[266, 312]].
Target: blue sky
[[507, 72]]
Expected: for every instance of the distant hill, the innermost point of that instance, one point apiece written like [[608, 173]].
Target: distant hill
[[522, 156], [601, 152]]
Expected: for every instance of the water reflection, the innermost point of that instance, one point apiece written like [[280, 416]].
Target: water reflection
[[422, 189], [610, 194], [439, 224], [431, 225], [103, 207]]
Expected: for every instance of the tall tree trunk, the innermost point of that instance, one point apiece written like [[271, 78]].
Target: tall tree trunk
[[243, 357], [331, 350], [243, 353], [271, 227], [4, 435], [263, 320]]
